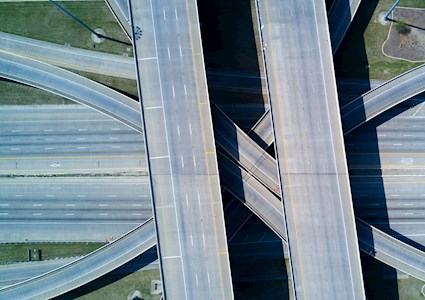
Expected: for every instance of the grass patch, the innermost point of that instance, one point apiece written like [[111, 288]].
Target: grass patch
[[44, 21], [410, 289], [119, 287], [360, 55], [412, 3], [18, 252], [13, 93]]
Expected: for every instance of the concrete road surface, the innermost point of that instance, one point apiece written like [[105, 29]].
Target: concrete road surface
[[325, 260], [181, 151]]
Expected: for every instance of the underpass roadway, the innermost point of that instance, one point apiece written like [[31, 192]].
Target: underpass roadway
[[126, 116]]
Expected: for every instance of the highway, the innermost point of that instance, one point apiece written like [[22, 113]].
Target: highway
[[310, 153], [266, 206], [181, 152], [382, 98], [17, 272], [86, 269], [69, 141], [69, 57]]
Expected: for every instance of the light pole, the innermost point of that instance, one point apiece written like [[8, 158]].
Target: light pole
[[391, 9]]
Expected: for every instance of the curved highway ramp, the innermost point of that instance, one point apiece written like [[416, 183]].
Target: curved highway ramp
[[86, 269]]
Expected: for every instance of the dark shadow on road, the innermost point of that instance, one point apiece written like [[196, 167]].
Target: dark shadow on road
[[362, 146], [134, 265], [230, 53], [258, 266]]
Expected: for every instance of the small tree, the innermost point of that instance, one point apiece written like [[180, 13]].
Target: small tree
[[402, 28]]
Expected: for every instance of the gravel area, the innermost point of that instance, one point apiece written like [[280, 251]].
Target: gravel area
[[411, 45]]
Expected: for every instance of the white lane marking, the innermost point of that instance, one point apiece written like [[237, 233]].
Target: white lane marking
[[414, 115], [203, 238], [395, 195], [175, 12], [16, 130], [147, 58], [154, 107], [37, 204], [208, 276], [409, 213], [37, 214], [194, 160], [103, 214], [163, 12], [174, 92], [48, 148], [4, 204], [191, 239], [70, 214], [409, 204], [136, 205], [187, 200], [48, 140], [181, 156], [178, 130], [168, 149], [4, 214], [48, 130], [15, 149], [169, 55], [380, 135], [185, 90], [190, 128], [115, 129], [50, 196], [143, 196], [318, 126], [70, 205], [136, 214], [114, 138], [397, 144], [180, 50], [81, 196], [115, 147], [407, 135], [82, 129], [196, 277], [81, 147], [18, 140], [103, 205], [173, 256], [80, 139], [159, 157], [112, 196], [199, 200], [19, 195]]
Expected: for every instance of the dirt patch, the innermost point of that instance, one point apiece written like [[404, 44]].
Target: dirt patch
[[406, 39]]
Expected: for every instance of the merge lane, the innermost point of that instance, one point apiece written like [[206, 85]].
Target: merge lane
[[324, 259], [181, 149]]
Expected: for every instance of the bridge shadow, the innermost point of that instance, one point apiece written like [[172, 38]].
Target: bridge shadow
[[231, 58], [135, 265], [235, 86], [362, 148]]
